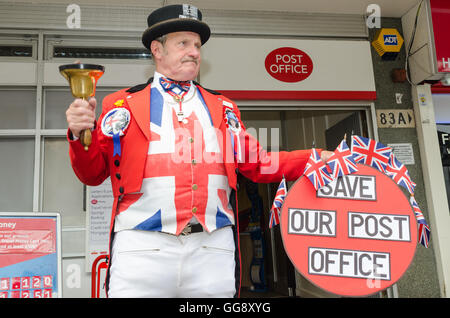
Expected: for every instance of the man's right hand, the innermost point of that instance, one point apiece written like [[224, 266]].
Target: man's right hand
[[81, 115]]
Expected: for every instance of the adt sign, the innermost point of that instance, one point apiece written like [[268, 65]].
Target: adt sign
[[390, 39]]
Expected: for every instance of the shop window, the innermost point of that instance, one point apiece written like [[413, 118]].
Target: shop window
[[18, 108], [62, 191], [17, 166], [16, 50], [56, 103]]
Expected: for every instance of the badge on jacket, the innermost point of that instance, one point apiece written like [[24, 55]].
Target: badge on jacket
[[114, 124], [234, 127]]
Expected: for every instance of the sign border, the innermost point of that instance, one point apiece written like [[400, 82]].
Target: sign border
[[296, 233], [362, 175], [343, 276], [376, 239]]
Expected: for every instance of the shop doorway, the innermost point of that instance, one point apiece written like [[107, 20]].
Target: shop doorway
[[266, 269]]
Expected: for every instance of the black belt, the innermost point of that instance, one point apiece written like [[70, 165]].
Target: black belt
[[192, 228]]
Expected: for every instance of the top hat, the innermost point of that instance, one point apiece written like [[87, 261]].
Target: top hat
[[174, 18]]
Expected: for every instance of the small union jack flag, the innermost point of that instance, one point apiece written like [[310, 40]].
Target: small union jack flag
[[398, 172], [342, 161], [370, 152], [316, 170], [423, 228], [275, 211]]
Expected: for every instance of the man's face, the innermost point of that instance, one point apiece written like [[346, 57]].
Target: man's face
[[179, 58]]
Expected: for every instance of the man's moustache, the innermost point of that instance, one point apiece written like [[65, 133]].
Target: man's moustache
[[190, 60]]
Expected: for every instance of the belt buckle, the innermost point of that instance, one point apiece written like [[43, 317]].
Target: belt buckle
[[187, 230]]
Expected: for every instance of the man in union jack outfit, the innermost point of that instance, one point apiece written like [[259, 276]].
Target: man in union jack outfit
[[173, 149]]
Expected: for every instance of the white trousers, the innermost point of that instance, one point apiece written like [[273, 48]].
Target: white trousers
[[154, 264]]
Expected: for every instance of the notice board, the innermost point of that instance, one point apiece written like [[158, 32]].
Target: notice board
[[30, 255], [99, 201]]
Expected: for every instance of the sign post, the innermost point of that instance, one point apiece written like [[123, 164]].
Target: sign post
[[355, 236]]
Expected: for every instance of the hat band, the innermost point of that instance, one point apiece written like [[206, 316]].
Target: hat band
[[174, 20]]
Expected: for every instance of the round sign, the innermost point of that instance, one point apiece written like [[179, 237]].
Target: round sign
[[288, 64], [353, 237]]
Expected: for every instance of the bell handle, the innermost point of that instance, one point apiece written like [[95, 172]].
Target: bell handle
[[86, 138]]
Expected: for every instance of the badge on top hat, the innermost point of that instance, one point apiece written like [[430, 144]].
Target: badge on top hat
[[175, 18]]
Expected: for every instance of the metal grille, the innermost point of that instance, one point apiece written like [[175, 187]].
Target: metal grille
[[101, 53], [133, 19], [16, 51]]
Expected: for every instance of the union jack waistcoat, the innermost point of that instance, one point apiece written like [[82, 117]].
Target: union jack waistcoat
[[184, 175]]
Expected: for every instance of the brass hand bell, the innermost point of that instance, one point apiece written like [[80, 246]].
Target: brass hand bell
[[83, 79]]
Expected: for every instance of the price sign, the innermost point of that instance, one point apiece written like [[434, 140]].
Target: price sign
[[354, 236], [30, 256]]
